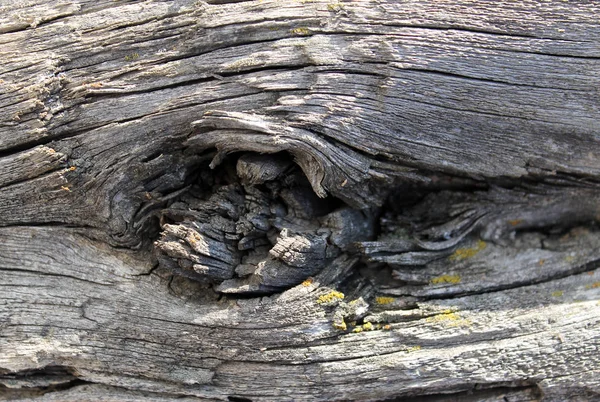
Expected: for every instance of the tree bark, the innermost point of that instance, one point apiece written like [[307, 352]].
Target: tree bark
[[300, 200]]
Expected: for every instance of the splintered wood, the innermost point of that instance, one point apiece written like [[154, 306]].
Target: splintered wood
[[265, 232]]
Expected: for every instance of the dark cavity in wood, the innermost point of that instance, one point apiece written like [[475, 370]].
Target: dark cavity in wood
[[254, 225]]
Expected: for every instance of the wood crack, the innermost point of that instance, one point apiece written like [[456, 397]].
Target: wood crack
[[498, 33], [56, 275], [479, 79]]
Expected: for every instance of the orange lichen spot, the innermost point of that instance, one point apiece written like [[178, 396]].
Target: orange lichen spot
[[453, 279], [557, 293], [515, 222], [330, 297], [594, 285], [387, 327], [541, 262], [72, 168], [51, 151], [65, 188], [307, 282], [464, 253], [96, 85], [300, 31], [382, 300]]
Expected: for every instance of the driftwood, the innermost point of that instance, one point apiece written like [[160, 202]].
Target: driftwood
[[299, 200]]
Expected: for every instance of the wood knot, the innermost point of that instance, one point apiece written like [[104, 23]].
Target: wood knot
[[254, 225]]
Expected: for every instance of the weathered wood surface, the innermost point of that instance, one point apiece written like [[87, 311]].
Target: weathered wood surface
[[467, 131]]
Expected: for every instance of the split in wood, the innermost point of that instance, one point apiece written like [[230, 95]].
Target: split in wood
[[436, 226]]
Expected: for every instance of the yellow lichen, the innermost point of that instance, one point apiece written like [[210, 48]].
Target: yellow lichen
[[443, 317], [413, 348], [593, 285], [132, 56], [330, 297], [464, 253], [300, 31], [570, 258], [382, 300], [446, 279], [449, 318], [342, 326], [368, 326], [557, 293], [335, 6]]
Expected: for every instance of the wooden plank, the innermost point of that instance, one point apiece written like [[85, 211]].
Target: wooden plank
[[457, 142]]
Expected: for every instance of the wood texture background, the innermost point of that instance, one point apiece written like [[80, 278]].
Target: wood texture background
[[107, 108]]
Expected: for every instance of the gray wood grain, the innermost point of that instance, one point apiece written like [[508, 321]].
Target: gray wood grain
[[96, 312], [486, 289]]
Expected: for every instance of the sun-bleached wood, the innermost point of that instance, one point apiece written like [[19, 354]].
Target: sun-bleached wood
[[469, 131]]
